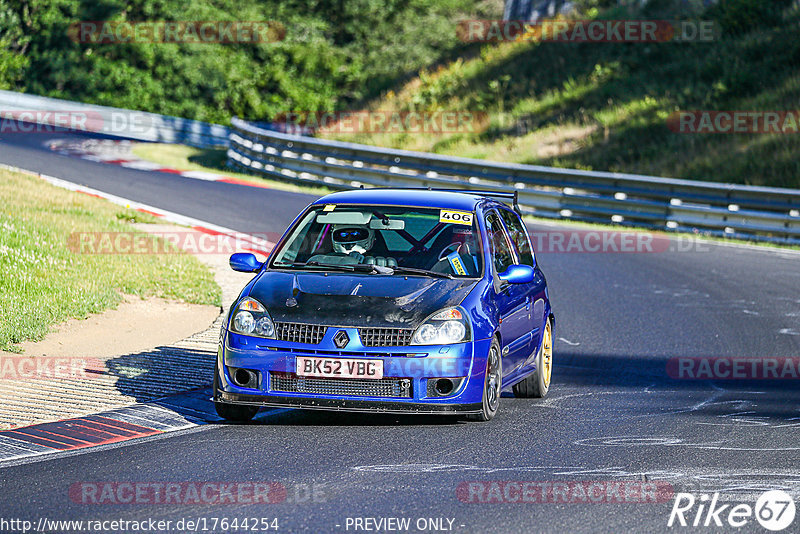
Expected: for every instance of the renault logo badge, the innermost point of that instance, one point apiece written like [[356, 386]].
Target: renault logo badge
[[341, 339]]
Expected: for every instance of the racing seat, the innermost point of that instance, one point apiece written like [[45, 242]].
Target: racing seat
[[466, 250]]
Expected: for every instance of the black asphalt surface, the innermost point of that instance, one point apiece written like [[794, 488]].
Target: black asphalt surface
[[613, 413]]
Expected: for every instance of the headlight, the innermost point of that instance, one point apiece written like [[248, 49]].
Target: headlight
[[443, 328], [251, 318]]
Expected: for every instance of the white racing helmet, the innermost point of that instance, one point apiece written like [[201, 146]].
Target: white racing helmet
[[347, 239]]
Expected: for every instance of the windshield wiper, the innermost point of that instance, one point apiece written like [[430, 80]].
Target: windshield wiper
[[423, 272], [348, 267]]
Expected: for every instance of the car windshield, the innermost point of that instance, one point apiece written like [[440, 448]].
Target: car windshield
[[395, 240]]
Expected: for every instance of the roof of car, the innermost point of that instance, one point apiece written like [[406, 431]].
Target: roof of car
[[420, 198]]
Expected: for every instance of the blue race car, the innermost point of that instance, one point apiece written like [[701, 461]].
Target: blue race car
[[390, 300]]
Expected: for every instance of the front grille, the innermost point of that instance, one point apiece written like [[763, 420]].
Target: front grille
[[370, 337], [385, 337], [352, 354], [300, 332], [351, 387]]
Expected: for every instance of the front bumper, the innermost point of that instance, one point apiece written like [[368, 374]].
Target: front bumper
[[345, 405], [413, 364]]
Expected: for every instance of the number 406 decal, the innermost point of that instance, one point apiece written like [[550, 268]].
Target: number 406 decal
[[455, 217]]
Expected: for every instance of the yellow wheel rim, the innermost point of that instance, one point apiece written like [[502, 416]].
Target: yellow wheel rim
[[547, 354]]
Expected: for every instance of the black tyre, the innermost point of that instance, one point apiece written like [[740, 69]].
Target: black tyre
[[537, 384], [233, 412], [491, 386]]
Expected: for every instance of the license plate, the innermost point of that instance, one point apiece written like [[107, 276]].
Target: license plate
[[339, 367]]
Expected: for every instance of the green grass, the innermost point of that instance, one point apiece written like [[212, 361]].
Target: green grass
[[42, 282], [188, 158], [605, 106]]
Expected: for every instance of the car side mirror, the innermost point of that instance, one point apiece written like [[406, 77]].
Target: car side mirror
[[518, 274], [244, 262]]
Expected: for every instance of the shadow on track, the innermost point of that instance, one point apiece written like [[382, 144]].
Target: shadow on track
[[344, 419], [638, 372], [152, 374]]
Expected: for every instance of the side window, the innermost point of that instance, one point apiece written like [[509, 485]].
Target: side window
[[518, 236], [301, 242], [502, 256]]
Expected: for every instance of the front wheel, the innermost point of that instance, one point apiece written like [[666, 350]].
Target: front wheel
[[232, 412], [491, 386], [235, 412], [537, 384]]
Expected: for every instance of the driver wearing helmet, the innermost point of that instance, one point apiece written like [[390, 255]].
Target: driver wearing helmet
[[352, 239], [351, 244]]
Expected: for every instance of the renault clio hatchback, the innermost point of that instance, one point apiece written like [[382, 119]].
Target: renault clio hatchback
[[390, 300]]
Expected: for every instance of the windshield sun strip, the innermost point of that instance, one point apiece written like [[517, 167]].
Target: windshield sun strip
[[316, 207]]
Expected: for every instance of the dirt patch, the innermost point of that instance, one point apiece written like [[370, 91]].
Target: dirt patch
[[563, 141], [136, 325]]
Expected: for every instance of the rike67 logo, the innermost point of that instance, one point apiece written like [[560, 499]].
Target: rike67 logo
[[774, 510]]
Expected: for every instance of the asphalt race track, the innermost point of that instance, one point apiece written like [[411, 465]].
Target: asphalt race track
[[613, 414]]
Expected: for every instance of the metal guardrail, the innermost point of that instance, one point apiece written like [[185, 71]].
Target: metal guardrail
[[140, 125], [738, 211], [728, 210]]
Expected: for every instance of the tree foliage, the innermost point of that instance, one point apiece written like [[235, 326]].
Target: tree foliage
[[335, 53]]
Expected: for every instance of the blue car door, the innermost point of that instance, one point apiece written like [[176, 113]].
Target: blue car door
[[536, 290], [512, 300]]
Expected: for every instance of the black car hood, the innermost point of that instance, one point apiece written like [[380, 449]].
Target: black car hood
[[356, 300]]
